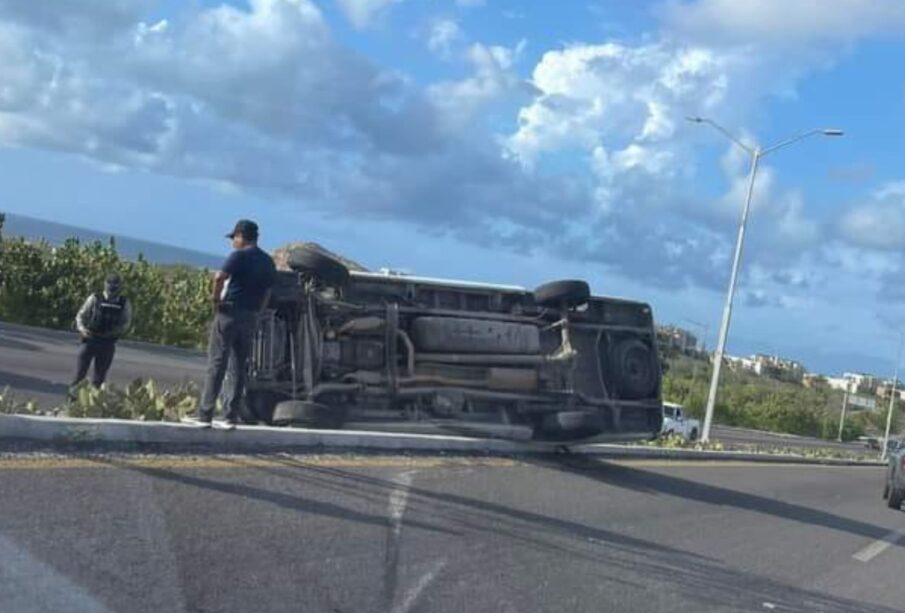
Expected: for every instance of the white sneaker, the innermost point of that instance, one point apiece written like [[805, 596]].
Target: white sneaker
[[198, 423], [222, 424]]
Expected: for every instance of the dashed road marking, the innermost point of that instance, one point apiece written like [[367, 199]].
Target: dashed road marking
[[395, 511], [879, 546], [411, 596]]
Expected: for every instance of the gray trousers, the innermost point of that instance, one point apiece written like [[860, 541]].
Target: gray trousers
[[232, 334]]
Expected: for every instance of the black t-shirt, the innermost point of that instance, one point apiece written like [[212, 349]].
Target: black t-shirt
[[251, 273]]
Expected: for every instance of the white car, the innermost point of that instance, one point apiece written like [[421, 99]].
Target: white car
[[675, 422]]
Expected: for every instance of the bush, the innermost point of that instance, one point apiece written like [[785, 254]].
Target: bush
[[10, 404], [141, 400], [759, 403], [42, 285]]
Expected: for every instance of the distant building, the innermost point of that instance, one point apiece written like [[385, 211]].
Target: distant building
[[841, 384], [673, 339], [814, 381], [863, 383], [739, 363], [858, 383], [885, 389], [771, 366]]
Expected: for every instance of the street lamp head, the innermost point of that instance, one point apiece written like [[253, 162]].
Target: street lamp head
[[695, 119], [833, 132]]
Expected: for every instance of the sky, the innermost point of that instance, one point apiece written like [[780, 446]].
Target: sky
[[492, 140]]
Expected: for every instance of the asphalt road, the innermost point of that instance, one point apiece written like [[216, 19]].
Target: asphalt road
[[38, 363], [378, 534], [743, 436]]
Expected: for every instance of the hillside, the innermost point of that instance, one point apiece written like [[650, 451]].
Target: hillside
[[762, 403]]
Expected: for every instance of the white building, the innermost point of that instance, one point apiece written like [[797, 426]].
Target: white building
[[768, 366], [856, 383]]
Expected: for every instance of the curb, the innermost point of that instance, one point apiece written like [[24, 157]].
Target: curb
[[68, 431], [657, 453], [162, 435]]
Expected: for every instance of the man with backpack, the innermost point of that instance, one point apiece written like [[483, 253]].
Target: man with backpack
[[102, 320]]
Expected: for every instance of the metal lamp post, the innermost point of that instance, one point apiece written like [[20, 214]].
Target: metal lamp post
[[756, 154], [892, 398]]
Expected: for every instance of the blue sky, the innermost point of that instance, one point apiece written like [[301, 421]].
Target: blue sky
[[492, 140]]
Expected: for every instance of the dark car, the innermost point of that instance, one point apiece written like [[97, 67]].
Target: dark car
[[339, 347], [894, 490]]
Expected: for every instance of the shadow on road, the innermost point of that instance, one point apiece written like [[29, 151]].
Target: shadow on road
[[492, 528], [280, 499], [699, 578], [11, 343], [24, 383], [649, 482]]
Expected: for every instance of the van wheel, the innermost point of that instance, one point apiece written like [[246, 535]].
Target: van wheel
[[555, 294], [318, 264], [694, 435], [258, 406], [633, 369], [569, 426], [308, 415]]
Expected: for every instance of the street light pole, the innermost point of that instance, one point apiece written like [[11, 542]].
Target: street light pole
[[756, 154], [730, 294], [892, 397]]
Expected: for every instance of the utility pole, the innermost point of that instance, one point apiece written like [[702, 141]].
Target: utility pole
[[842, 420], [755, 153], [892, 397]]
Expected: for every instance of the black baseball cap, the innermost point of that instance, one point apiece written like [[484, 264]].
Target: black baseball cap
[[247, 228]]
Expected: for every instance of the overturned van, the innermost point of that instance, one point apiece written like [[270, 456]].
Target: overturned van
[[340, 347]]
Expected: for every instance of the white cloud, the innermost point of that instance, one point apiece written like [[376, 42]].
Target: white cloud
[[621, 110], [784, 21], [443, 34], [361, 13], [494, 77], [596, 95], [263, 98], [878, 223]]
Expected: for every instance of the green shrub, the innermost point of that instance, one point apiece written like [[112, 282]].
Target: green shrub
[[141, 400], [10, 404], [43, 285], [760, 403]]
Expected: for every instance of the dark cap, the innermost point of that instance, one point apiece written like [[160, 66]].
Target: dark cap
[[247, 228]]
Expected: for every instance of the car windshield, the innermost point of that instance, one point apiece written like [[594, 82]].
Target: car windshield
[[410, 306]]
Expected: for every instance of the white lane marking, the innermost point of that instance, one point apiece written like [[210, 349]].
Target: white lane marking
[[877, 547], [412, 594], [769, 605], [397, 502], [398, 499], [28, 585]]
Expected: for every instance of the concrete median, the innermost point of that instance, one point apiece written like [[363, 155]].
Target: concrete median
[[54, 431]]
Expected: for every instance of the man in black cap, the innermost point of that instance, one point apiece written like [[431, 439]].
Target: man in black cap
[[241, 291], [102, 320]]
